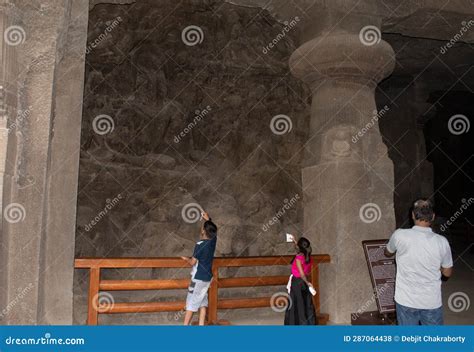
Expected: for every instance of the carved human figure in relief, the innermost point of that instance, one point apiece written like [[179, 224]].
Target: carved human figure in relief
[[337, 143]]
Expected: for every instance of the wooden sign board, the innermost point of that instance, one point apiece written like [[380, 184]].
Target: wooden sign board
[[382, 272]]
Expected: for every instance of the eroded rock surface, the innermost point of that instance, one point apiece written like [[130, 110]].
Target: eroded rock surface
[[186, 124]]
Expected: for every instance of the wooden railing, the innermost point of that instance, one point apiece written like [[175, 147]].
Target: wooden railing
[[96, 284]]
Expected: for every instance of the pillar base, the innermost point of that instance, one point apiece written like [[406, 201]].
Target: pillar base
[[335, 193]]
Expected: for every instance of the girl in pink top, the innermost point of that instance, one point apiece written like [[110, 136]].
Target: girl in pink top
[[300, 267], [300, 310]]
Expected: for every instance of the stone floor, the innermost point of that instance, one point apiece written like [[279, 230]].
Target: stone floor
[[462, 281]]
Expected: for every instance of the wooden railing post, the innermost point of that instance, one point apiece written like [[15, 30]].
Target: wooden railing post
[[93, 298], [315, 282], [213, 296]]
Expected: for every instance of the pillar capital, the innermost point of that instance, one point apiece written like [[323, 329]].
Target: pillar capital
[[344, 56]]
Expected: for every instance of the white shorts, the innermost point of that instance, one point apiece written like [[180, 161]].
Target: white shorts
[[197, 295]]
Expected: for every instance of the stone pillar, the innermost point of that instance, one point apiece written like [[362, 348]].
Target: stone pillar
[[42, 159], [8, 101], [348, 177], [59, 230]]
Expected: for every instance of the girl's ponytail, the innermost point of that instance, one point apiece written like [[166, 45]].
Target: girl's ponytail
[[305, 247], [307, 255]]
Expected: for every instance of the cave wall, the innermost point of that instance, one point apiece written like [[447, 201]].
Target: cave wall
[[166, 124], [399, 115], [429, 86], [450, 148]]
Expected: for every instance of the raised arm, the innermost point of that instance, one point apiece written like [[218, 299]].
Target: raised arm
[[205, 216]]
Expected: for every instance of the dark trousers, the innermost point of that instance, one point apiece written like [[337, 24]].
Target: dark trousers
[[300, 310]]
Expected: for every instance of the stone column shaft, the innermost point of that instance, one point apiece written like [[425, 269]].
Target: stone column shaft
[[41, 164], [349, 177]]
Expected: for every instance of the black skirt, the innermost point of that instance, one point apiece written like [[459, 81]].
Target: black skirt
[[300, 310]]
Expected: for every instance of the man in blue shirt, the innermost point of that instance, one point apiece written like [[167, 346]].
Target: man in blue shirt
[[201, 274]]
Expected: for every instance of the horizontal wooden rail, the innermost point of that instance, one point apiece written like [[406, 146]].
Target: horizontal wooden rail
[[158, 307], [253, 281], [130, 285], [95, 307], [142, 307], [234, 303], [163, 262], [167, 262], [265, 261]]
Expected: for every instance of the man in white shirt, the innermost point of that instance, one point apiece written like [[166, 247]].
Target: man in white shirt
[[422, 256]]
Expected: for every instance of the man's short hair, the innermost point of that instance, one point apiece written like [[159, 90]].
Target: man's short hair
[[423, 210]]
